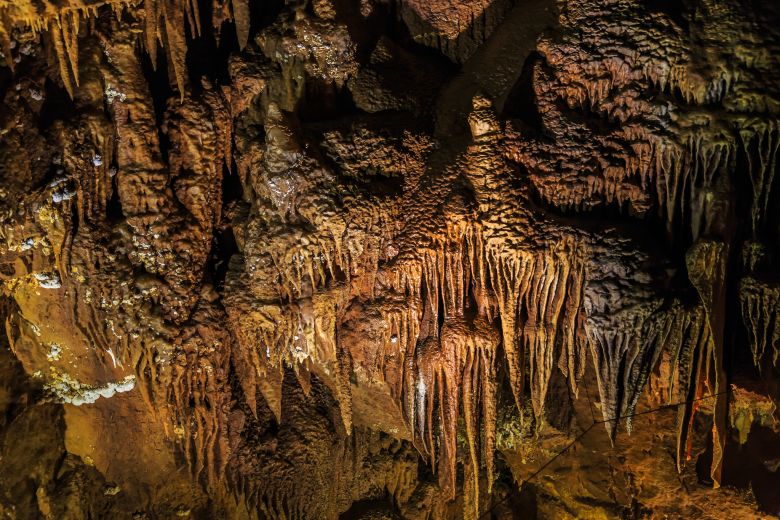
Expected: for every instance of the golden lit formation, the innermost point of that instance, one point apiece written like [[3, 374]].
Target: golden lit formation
[[384, 259]]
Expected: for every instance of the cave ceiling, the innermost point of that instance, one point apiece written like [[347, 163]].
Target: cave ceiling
[[383, 259]]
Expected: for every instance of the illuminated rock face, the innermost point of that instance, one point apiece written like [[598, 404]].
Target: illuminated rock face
[[386, 259]]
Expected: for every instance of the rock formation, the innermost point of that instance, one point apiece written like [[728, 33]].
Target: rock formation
[[389, 259]]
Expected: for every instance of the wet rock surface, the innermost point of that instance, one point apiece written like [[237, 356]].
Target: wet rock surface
[[389, 259]]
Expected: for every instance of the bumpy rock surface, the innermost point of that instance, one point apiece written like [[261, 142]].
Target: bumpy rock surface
[[389, 259]]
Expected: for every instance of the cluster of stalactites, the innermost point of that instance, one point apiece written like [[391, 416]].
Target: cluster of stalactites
[[627, 350], [699, 383], [688, 173], [535, 296], [457, 301], [689, 339], [760, 302], [61, 25], [760, 141], [470, 282], [685, 173], [623, 346], [684, 176], [165, 22], [457, 370], [195, 390], [679, 141], [700, 336]]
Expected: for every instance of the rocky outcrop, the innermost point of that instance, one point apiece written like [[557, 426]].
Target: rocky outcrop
[[372, 258]]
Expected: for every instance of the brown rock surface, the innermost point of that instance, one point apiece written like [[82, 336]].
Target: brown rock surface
[[389, 259]]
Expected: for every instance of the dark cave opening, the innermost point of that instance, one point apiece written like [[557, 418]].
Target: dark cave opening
[[752, 466], [160, 91], [224, 244], [676, 10], [521, 102]]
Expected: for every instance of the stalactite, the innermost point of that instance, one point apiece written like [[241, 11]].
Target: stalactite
[[173, 24], [151, 31], [706, 263], [70, 36], [457, 369], [164, 23], [760, 142], [623, 348], [686, 174], [689, 339], [343, 375], [61, 43], [241, 19], [201, 428], [760, 304], [5, 41]]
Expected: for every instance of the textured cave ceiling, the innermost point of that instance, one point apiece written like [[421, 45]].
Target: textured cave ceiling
[[384, 259]]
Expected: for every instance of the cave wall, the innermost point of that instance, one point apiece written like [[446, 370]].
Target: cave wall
[[386, 259]]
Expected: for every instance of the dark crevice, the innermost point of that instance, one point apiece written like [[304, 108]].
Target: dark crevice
[[676, 10], [325, 101], [74, 218], [114, 213], [521, 101], [161, 91], [57, 106], [208, 52], [224, 243], [373, 508], [263, 14]]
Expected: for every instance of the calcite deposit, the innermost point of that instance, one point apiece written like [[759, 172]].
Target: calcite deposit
[[420, 259]]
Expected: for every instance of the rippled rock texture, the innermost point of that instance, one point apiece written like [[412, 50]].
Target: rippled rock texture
[[420, 259]]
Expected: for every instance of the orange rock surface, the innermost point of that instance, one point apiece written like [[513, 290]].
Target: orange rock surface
[[409, 259]]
